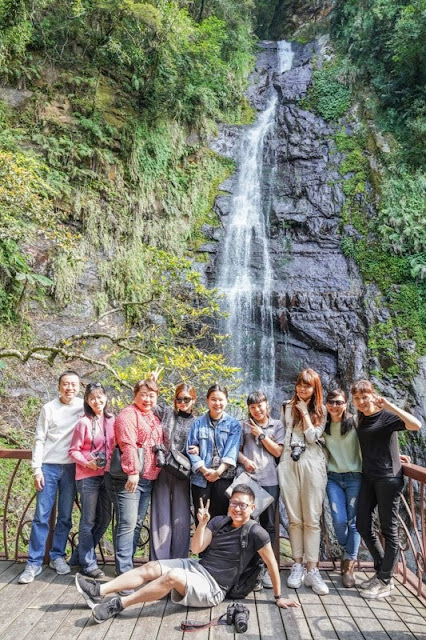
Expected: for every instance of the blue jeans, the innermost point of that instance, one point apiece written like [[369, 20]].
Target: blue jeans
[[342, 491], [57, 478], [130, 511], [94, 520]]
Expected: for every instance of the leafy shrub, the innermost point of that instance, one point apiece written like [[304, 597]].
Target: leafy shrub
[[327, 96]]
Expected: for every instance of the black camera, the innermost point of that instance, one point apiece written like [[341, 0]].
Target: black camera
[[238, 615], [296, 450], [101, 459], [159, 450]]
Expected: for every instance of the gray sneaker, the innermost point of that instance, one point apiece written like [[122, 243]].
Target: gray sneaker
[[60, 566], [377, 589], [106, 610], [29, 573], [90, 590], [366, 584]]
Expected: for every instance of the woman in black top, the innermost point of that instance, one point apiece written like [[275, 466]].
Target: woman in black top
[[382, 481]]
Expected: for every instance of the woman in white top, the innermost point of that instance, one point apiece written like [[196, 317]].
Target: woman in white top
[[302, 476]]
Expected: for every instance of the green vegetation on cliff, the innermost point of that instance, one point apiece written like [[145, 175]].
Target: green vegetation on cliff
[[106, 111], [383, 42]]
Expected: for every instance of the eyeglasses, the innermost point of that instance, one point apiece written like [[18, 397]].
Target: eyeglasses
[[183, 400], [337, 403], [235, 504]]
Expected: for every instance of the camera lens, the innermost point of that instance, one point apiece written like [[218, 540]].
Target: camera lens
[[241, 621]]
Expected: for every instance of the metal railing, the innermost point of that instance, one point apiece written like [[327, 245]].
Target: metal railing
[[17, 516]]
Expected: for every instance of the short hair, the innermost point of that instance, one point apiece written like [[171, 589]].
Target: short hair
[[68, 372], [217, 387], [244, 488], [149, 383], [255, 397]]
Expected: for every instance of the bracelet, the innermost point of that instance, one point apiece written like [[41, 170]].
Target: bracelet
[[278, 597]]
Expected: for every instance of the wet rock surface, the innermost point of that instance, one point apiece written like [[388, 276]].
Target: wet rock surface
[[318, 295]]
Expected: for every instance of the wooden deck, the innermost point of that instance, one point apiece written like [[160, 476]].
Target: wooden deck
[[50, 607]]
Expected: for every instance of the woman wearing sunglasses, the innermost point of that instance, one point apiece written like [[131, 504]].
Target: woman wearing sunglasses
[[170, 501], [344, 479]]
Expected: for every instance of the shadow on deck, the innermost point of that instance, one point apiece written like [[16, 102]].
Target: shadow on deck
[[50, 607]]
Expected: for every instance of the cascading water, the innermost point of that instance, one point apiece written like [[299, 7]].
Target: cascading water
[[245, 275]]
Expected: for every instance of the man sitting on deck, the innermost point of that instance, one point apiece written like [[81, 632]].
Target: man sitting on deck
[[193, 583]]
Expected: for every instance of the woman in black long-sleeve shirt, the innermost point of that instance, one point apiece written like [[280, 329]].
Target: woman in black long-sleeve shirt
[[379, 420]]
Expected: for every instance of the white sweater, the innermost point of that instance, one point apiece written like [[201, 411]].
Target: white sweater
[[54, 431]]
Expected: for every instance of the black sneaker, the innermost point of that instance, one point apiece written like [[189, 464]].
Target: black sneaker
[[106, 610], [90, 590]]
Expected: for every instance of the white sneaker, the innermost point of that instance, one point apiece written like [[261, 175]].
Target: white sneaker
[[29, 573], [60, 566], [266, 580], [377, 589], [295, 579], [313, 579]]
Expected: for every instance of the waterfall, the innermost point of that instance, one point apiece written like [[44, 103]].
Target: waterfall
[[245, 275]]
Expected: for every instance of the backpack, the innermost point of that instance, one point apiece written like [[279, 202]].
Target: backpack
[[246, 578]]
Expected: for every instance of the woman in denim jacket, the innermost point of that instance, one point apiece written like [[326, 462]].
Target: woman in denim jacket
[[213, 445]]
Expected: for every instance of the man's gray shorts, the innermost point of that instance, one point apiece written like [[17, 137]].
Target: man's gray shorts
[[201, 590]]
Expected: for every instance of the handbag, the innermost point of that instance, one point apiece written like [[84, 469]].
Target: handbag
[[177, 464], [262, 498], [116, 470]]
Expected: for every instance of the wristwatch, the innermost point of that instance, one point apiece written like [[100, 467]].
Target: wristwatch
[[262, 437]]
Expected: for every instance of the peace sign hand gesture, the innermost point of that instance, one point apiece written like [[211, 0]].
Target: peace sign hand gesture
[[203, 514]]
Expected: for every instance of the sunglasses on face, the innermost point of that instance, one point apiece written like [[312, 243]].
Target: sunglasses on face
[[336, 403], [183, 400]]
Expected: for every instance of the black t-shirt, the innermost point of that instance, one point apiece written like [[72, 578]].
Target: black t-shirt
[[379, 444], [222, 557]]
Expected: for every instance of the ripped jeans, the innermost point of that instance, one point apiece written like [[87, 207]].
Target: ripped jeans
[[342, 491]]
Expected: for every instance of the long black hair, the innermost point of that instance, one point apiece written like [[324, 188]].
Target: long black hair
[[347, 422]]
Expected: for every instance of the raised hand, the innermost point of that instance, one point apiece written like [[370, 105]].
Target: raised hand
[[203, 514], [302, 406], [254, 428]]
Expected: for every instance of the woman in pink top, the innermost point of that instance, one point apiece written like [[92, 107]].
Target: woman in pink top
[[91, 447], [135, 426]]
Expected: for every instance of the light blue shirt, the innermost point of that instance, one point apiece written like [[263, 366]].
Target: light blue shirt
[[226, 435]]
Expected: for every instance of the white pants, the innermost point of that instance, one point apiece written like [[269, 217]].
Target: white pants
[[302, 485]]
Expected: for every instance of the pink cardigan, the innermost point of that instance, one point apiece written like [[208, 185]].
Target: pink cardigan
[[81, 445]]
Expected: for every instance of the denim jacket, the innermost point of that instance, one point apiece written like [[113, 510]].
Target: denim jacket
[[227, 434]]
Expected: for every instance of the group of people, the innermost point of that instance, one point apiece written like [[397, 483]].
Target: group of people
[[313, 450]]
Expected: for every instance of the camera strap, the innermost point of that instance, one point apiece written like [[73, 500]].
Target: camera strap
[[195, 625], [95, 421]]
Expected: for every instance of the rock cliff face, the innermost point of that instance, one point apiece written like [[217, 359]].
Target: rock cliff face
[[318, 296]]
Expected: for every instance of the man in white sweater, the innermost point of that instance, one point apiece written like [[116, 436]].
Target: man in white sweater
[[54, 472]]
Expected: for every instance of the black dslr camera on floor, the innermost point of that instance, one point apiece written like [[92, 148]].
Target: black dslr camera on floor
[[236, 614]]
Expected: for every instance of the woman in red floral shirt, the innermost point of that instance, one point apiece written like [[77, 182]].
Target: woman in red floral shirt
[[135, 426]]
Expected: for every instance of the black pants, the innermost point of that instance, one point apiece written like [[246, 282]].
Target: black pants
[[385, 493], [215, 491]]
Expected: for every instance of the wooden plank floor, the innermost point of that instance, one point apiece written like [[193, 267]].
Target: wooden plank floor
[[50, 607]]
